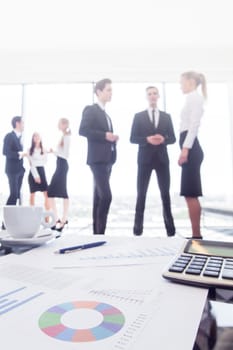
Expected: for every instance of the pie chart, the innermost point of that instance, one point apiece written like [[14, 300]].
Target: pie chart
[[111, 321]]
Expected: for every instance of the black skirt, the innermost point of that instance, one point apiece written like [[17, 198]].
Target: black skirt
[[58, 184], [190, 175], [34, 186]]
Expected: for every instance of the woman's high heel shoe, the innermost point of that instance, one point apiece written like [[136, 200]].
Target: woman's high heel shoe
[[59, 229], [54, 227]]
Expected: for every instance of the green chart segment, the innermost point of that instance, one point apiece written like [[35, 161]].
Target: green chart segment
[[112, 322]]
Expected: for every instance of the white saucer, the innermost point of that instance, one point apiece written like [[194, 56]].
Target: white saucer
[[41, 237]]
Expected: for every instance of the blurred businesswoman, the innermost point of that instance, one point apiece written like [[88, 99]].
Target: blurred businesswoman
[[58, 184], [191, 155], [37, 156]]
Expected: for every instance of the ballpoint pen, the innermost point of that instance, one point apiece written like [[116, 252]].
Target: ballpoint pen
[[79, 247]]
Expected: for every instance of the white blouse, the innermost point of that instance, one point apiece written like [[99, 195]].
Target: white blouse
[[63, 151], [37, 160], [191, 117]]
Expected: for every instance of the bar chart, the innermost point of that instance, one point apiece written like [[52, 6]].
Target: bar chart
[[15, 298]]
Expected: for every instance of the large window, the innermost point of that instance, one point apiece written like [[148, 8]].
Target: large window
[[215, 135], [43, 104]]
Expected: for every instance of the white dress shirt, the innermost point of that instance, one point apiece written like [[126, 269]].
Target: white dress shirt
[[101, 105], [63, 150], [18, 134], [156, 115], [107, 117], [191, 116], [37, 160]]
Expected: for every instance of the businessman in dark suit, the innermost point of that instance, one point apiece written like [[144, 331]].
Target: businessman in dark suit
[[97, 127], [152, 130], [13, 150]]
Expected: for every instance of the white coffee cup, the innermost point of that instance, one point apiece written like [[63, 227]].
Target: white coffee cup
[[25, 221]]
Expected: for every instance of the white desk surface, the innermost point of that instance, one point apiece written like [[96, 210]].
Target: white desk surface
[[157, 314]]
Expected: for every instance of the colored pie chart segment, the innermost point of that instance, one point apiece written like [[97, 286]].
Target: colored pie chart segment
[[51, 323]]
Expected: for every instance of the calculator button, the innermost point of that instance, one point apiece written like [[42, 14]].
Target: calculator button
[[213, 266], [216, 259], [182, 261], [228, 274], [179, 265], [185, 258], [195, 268], [214, 263], [210, 268], [192, 271], [198, 263], [200, 260], [228, 266], [174, 268], [210, 273], [201, 257], [230, 261]]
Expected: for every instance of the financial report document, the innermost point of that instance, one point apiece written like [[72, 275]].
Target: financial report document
[[121, 304]]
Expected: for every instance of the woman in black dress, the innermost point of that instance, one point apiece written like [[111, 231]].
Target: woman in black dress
[[191, 155], [37, 156], [58, 184]]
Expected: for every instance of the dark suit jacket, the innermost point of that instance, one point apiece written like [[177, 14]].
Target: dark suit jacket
[[94, 126], [11, 147], [143, 127]]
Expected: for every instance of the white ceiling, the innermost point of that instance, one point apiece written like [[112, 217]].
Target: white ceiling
[[86, 23], [57, 40]]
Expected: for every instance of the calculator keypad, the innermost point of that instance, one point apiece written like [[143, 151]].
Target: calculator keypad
[[180, 264], [213, 267], [201, 265], [228, 269]]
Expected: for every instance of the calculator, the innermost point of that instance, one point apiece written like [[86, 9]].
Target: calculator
[[203, 263]]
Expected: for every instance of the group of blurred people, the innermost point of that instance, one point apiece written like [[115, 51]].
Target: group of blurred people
[[37, 157], [152, 130]]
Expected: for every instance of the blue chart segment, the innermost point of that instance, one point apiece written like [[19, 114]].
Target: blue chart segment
[[7, 303], [51, 323]]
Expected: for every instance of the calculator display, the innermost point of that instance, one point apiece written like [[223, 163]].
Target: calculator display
[[210, 248]]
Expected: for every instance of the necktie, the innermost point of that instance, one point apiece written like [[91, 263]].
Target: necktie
[[110, 129], [20, 141], [109, 122], [153, 117]]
